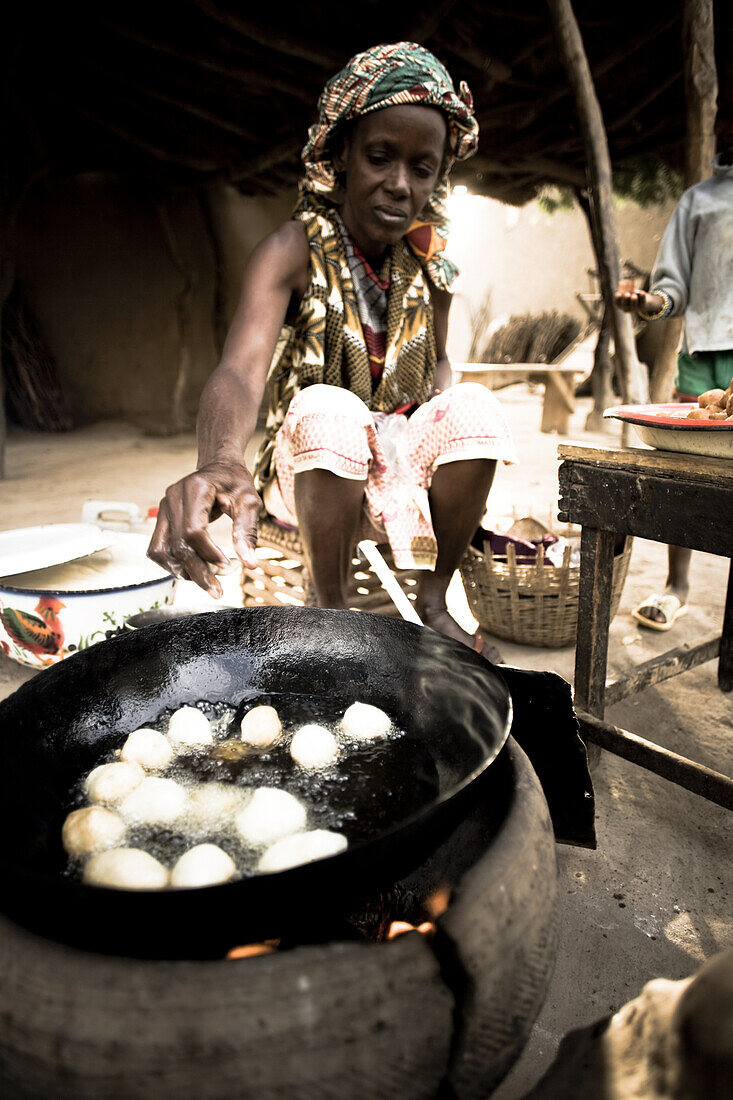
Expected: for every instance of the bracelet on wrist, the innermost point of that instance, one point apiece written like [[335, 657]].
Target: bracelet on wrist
[[661, 313]]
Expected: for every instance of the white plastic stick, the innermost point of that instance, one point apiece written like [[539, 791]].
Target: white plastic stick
[[390, 584]]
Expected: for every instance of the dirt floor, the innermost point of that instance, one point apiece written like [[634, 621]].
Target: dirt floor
[[653, 900]]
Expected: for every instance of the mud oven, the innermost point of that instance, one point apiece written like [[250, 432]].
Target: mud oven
[[355, 1016], [427, 988]]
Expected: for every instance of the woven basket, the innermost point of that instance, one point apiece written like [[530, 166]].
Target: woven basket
[[282, 576], [531, 604]]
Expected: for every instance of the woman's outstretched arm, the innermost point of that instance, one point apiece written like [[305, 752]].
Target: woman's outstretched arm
[[274, 281]]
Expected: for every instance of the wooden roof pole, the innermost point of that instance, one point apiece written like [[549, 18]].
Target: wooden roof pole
[[598, 164], [701, 92], [701, 89]]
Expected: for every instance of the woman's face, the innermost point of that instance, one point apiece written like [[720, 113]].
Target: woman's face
[[392, 160]]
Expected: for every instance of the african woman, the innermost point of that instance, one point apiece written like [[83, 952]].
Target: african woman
[[365, 436]]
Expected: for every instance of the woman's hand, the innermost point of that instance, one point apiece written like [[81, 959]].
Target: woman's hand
[[630, 299], [276, 275], [181, 543]]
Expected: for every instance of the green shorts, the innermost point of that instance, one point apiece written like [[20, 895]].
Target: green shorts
[[702, 371]]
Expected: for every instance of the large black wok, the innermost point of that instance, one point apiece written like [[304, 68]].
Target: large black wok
[[53, 730]]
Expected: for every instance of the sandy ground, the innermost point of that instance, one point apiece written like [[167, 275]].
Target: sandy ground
[[653, 900]]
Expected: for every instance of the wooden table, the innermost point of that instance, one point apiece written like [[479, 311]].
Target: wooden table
[[685, 500]]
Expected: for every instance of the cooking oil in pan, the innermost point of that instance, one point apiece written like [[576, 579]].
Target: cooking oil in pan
[[370, 786]]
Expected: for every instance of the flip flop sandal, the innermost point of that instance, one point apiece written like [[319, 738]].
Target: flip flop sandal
[[670, 607], [486, 650]]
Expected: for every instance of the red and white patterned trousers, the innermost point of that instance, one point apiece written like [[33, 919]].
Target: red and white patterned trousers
[[328, 428]]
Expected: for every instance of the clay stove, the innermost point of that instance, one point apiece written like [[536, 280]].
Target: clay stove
[[415, 1017]]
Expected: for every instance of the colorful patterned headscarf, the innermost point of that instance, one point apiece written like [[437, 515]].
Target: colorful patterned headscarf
[[388, 76]]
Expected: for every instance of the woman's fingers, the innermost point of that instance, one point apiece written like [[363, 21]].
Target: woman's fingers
[[158, 547], [243, 508], [181, 542]]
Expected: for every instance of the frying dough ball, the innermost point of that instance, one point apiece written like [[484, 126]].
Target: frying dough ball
[[189, 729], [261, 726], [204, 865], [314, 747], [154, 802], [91, 830], [269, 815], [110, 783], [211, 806], [148, 748], [303, 848], [711, 397], [364, 722], [126, 869]]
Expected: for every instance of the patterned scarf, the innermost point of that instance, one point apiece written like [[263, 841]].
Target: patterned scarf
[[387, 76], [326, 343]]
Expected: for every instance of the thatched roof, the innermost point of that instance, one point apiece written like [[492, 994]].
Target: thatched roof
[[200, 90]]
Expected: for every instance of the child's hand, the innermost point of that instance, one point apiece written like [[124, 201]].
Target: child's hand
[[630, 299]]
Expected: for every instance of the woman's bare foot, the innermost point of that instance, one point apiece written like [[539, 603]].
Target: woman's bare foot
[[440, 619]]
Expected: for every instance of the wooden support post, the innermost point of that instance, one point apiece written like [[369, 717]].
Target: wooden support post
[[701, 88], [598, 162]]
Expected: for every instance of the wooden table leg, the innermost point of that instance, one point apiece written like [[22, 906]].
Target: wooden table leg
[[594, 616], [725, 664], [558, 402]]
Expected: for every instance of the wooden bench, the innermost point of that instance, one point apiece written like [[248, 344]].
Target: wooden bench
[[558, 377]]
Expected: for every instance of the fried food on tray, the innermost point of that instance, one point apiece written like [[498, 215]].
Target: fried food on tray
[[714, 405], [711, 397]]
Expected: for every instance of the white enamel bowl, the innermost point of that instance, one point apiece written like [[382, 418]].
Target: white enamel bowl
[[48, 614]]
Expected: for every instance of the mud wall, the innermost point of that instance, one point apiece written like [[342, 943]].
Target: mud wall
[[103, 264]]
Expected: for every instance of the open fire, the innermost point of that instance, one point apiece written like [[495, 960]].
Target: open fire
[[374, 932]]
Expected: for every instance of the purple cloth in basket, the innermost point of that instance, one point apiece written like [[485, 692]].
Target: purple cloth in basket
[[525, 549]]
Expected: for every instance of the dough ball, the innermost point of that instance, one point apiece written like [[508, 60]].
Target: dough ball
[[314, 747], [261, 726], [364, 722], [149, 749], [189, 729], [711, 397], [303, 848], [91, 830], [154, 802], [269, 815], [204, 865], [125, 869], [211, 806], [110, 783]]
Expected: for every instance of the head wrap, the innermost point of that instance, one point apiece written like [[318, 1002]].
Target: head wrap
[[390, 76]]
